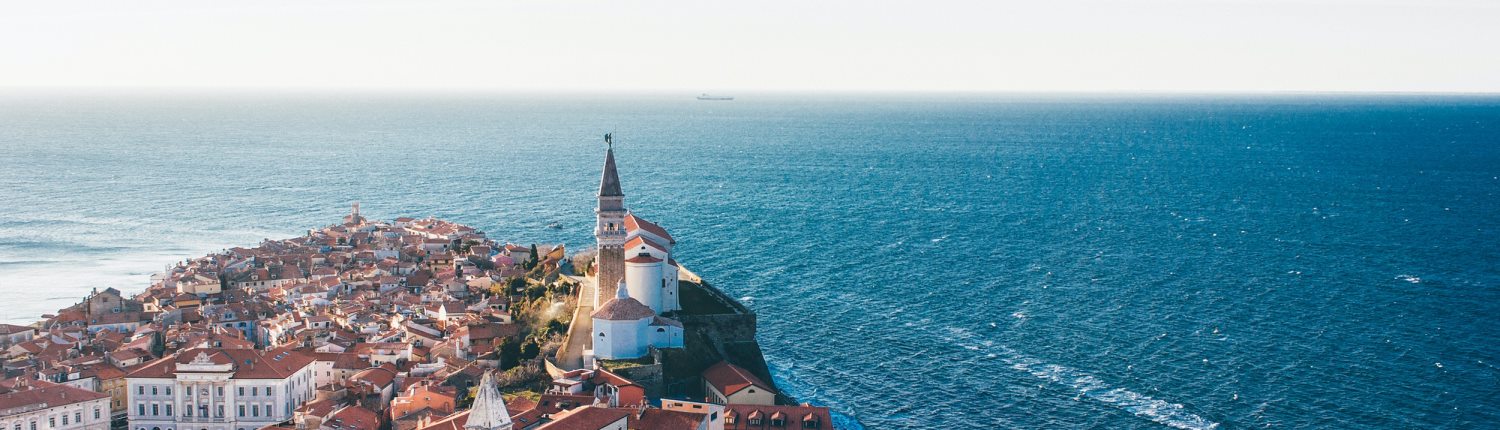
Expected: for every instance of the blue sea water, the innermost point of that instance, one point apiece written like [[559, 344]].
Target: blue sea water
[[934, 261]]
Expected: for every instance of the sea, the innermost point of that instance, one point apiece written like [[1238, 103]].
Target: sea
[[917, 261]]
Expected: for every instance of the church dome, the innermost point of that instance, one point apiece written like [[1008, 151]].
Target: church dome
[[626, 309]]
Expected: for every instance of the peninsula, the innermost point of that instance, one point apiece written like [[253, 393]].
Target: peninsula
[[411, 324]]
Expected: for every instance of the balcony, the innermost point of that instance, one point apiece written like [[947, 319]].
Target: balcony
[[199, 419]]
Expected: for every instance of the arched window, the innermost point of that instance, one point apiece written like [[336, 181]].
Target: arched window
[[601, 334], [661, 330]]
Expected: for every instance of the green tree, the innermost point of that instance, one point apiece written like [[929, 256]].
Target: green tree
[[530, 349], [510, 353]]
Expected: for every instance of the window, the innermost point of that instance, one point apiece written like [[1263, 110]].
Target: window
[[221, 411], [140, 389], [65, 418], [778, 422], [755, 421], [153, 390], [169, 409], [242, 410], [254, 410], [141, 407], [242, 391], [96, 416], [221, 391], [52, 422], [155, 409], [169, 390], [77, 416]]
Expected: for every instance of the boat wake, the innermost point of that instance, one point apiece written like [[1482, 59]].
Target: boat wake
[[1088, 386], [1160, 411]]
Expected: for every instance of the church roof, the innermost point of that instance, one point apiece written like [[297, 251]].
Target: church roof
[[663, 321], [639, 241], [609, 185], [633, 222], [626, 309], [643, 258]]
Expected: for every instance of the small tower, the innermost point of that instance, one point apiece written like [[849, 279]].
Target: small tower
[[488, 412], [609, 229], [354, 218]]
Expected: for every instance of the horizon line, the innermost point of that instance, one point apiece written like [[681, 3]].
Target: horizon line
[[727, 91]]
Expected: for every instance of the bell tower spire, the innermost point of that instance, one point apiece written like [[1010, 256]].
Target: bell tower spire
[[609, 229], [489, 411]]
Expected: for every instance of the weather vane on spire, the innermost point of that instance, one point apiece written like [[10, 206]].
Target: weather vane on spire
[[609, 139]]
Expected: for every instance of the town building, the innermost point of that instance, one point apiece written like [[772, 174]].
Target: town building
[[41, 405], [725, 383], [624, 329], [219, 389]]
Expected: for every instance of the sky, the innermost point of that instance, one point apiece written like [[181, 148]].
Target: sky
[[763, 45]]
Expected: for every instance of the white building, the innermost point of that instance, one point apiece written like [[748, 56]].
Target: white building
[[624, 328], [48, 406], [636, 279], [219, 389]]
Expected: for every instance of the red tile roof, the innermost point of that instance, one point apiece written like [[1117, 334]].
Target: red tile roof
[[667, 420], [587, 418], [643, 258], [246, 363], [730, 379], [45, 395], [625, 309], [633, 222], [353, 418], [640, 241]]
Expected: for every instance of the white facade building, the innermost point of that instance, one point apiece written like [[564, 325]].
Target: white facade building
[[624, 328], [219, 389], [47, 406]]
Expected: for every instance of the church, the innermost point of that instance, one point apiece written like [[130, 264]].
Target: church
[[635, 277]]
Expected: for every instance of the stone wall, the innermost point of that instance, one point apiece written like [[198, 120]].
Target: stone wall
[[709, 338]]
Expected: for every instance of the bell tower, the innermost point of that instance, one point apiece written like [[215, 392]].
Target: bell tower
[[609, 229]]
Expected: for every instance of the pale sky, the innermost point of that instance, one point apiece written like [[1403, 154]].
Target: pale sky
[[806, 45]]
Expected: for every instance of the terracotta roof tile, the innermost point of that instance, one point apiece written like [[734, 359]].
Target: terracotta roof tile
[[730, 379], [626, 309]]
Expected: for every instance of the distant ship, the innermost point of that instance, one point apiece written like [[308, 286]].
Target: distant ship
[[705, 96]]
